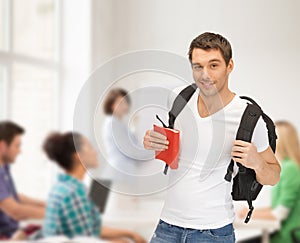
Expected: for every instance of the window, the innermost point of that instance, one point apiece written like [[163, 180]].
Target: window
[[29, 78], [33, 28], [1, 24], [2, 94]]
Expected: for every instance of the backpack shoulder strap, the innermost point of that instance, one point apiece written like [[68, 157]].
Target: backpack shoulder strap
[[180, 102], [248, 122], [245, 131], [269, 123]]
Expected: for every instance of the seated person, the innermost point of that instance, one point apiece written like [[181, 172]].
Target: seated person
[[69, 211], [13, 205], [286, 194]]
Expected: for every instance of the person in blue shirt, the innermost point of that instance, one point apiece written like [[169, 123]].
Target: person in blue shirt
[[14, 206], [69, 211]]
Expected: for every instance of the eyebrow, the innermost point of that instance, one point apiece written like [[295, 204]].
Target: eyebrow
[[215, 60], [212, 60]]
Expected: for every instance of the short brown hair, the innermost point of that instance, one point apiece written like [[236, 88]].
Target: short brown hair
[[208, 41], [8, 130], [111, 98]]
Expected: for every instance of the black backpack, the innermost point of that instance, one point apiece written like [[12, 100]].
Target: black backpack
[[245, 186]]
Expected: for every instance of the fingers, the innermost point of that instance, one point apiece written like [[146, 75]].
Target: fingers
[[241, 143], [237, 156], [238, 149], [155, 146], [155, 141], [241, 161], [154, 134]]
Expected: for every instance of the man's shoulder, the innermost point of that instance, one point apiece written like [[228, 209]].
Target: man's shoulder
[[177, 89], [4, 168], [66, 191]]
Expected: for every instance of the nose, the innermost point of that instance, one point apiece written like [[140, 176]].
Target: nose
[[205, 74]]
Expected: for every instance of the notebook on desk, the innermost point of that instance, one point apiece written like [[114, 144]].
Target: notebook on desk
[[99, 192]]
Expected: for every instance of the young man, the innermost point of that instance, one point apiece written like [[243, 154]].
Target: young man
[[13, 206], [198, 206]]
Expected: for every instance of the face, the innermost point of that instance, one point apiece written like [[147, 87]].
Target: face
[[2, 147], [210, 72], [120, 107], [11, 151], [88, 154]]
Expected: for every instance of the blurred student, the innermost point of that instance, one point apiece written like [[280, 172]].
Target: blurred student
[[286, 194], [13, 205], [69, 211], [124, 152]]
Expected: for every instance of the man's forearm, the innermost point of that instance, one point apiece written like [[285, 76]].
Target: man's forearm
[[268, 173], [29, 212], [110, 233], [30, 201]]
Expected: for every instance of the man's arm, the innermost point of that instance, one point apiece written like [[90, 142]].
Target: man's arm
[[19, 211], [31, 201], [265, 164], [268, 173]]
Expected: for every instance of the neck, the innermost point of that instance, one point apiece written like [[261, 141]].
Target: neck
[[119, 117], [2, 163], [208, 105], [78, 172]]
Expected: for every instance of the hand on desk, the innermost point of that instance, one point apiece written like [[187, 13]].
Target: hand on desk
[[137, 238], [120, 236]]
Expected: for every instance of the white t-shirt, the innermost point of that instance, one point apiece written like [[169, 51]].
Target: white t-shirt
[[198, 196]]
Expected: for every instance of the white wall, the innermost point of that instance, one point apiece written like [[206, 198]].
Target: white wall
[[264, 35]]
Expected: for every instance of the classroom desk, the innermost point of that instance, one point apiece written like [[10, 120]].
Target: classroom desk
[[254, 228]]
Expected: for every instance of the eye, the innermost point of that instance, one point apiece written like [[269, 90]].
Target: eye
[[214, 66], [197, 67]]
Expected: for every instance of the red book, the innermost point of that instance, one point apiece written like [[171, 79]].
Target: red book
[[170, 155]]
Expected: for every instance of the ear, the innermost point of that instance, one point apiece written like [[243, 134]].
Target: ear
[[2, 145], [76, 157], [230, 66]]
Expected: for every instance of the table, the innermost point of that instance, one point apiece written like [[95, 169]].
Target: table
[[258, 227]]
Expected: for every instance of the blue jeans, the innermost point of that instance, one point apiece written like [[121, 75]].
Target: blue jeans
[[167, 233]]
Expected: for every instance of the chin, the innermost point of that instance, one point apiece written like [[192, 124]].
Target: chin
[[209, 93]]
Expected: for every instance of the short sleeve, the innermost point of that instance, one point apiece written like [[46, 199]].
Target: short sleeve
[[290, 186], [260, 136], [4, 193]]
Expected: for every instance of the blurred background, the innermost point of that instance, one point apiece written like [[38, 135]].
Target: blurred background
[[49, 48]]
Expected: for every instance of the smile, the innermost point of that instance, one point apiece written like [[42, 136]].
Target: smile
[[207, 84]]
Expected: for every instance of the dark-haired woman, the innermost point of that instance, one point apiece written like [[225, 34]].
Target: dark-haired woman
[[69, 211], [124, 152]]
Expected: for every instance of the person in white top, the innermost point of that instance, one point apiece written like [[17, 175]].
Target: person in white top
[[198, 206], [125, 154]]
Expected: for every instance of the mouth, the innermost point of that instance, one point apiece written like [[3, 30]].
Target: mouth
[[207, 84]]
